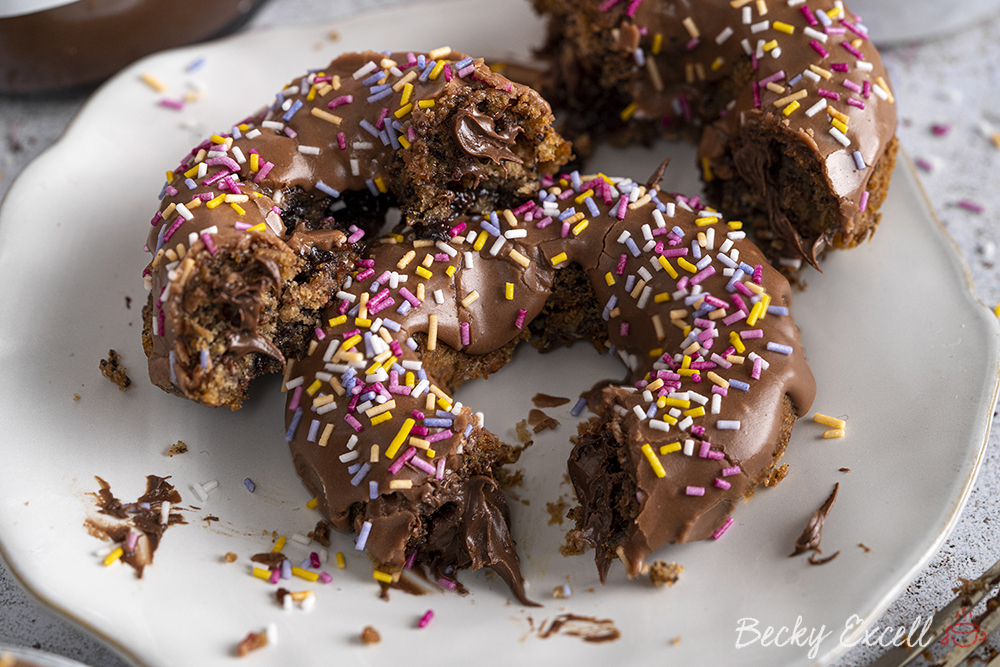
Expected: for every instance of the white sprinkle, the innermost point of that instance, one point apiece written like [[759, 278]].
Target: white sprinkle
[[294, 382], [253, 134], [747, 15], [816, 108], [412, 365], [497, 245], [745, 43], [362, 145], [716, 403], [364, 71], [272, 125], [840, 136], [659, 425], [352, 441], [164, 512], [200, 492], [776, 52], [697, 398], [647, 291], [272, 634], [304, 540], [438, 297], [878, 90], [724, 35], [685, 423], [760, 27], [329, 407], [469, 258], [727, 425], [420, 388], [309, 150], [446, 248], [658, 218], [639, 412], [355, 168], [342, 295], [515, 233], [624, 236], [864, 66], [816, 34], [647, 233], [689, 447], [809, 74]]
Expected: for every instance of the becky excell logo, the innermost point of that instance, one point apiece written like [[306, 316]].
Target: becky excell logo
[[963, 632]]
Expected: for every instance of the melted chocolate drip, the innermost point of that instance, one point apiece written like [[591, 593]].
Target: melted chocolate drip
[[477, 135]]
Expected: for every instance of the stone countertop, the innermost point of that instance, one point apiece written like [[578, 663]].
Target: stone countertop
[[948, 91]]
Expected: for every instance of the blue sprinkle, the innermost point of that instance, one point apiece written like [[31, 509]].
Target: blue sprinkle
[[739, 384], [236, 133], [372, 187], [392, 136], [421, 374], [695, 249], [437, 423], [427, 71], [375, 285], [351, 469], [567, 213], [444, 414], [462, 64], [368, 127], [404, 308], [575, 177], [163, 191], [651, 412], [372, 490], [373, 78], [379, 88], [327, 190], [794, 80], [369, 350], [677, 230], [399, 369], [173, 360], [412, 344], [493, 230], [367, 396], [204, 358], [251, 487], [279, 99], [391, 325], [594, 211], [468, 430], [359, 475], [421, 61], [190, 183], [640, 57], [380, 95], [746, 268], [779, 348], [578, 408], [196, 65], [632, 247], [384, 136], [777, 310], [296, 418], [353, 312], [286, 569], [629, 283]]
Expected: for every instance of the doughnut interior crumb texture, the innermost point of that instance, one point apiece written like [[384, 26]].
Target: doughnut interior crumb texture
[[225, 293], [179, 447], [113, 369], [662, 573], [471, 183], [370, 635], [252, 642]]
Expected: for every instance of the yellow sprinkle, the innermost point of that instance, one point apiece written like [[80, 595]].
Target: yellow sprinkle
[[653, 386], [254, 162], [436, 72], [154, 83], [734, 339], [305, 574], [707, 175], [765, 301], [314, 387], [480, 241], [280, 544], [671, 448], [826, 74], [783, 27], [657, 44], [190, 172], [695, 412], [239, 209], [403, 141], [384, 417], [337, 321], [324, 115], [115, 555], [450, 271], [790, 108], [425, 104], [403, 110], [401, 484], [686, 265], [842, 117], [610, 280], [670, 420], [834, 433], [826, 420], [703, 222], [628, 111], [677, 402], [384, 577], [217, 139], [423, 273], [508, 291], [341, 563], [582, 225], [656, 352], [362, 322], [215, 202], [735, 225], [834, 13], [714, 377], [769, 46], [754, 314], [788, 99], [558, 259], [327, 431], [653, 461], [717, 63], [996, 311], [380, 184], [351, 342], [404, 432], [259, 227], [885, 86], [407, 91], [665, 263], [379, 409], [508, 215], [432, 332], [579, 198], [261, 573], [839, 125], [312, 94]]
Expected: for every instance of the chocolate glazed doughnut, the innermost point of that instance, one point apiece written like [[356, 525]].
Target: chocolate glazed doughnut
[[788, 100], [715, 377], [259, 227]]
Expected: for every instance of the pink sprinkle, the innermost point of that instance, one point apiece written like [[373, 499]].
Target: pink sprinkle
[[130, 542], [439, 474], [722, 484], [621, 264], [840, 67], [716, 455], [866, 89], [544, 222], [424, 466], [733, 318], [342, 141], [941, 130], [419, 431], [339, 101], [519, 322], [264, 171], [758, 365], [465, 71], [970, 206], [818, 48], [275, 575], [314, 560], [721, 530], [743, 289], [523, 208], [756, 95], [777, 76], [409, 296], [447, 72], [698, 430], [381, 305], [410, 560], [810, 19], [325, 577], [747, 334], [703, 274], [624, 329], [174, 226], [853, 51], [675, 252], [355, 424], [464, 326], [864, 201], [683, 282], [853, 28], [565, 230], [447, 583], [622, 207], [850, 85], [380, 123], [457, 229], [320, 335], [398, 464], [437, 437], [926, 165], [209, 243], [177, 105], [290, 132], [633, 7], [703, 451], [695, 490], [758, 273], [733, 470], [823, 92], [856, 102]]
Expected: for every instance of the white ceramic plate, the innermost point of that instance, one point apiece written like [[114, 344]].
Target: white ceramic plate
[[898, 342]]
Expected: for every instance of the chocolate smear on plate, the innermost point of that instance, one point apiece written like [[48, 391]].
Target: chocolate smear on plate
[[810, 538]]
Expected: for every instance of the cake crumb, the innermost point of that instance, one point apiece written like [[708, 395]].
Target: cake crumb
[[76, 397], [230, 557], [775, 475], [867, 548], [321, 533], [522, 432], [845, 470], [252, 642], [334, 35], [113, 369], [370, 635], [179, 447], [507, 479], [574, 546], [546, 401], [662, 573], [557, 511], [128, 303], [541, 421], [675, 641]]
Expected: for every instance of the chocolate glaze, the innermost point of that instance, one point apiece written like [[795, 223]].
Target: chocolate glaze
[[438, 516], [702, 78], [812, 534], [350, 161]]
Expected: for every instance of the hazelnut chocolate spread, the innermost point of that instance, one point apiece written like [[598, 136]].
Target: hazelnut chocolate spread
[[700, 320], [765, 81], [230, 229]]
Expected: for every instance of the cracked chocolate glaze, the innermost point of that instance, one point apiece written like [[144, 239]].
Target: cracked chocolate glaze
[[372, 450], [323, 145], [477, 135], [687, 67]]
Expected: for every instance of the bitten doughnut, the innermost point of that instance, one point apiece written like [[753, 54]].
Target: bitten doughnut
[[715, 376], [259, 227], [788, 100]]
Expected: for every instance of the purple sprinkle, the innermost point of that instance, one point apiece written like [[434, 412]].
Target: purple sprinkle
[[940, 130], [695, 490], [251, 487], [177, 105], [578, 408], [970, 206], [926, 165], [859, 160]]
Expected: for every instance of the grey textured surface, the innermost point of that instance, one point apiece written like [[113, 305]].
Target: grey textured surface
[[953, 83]]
